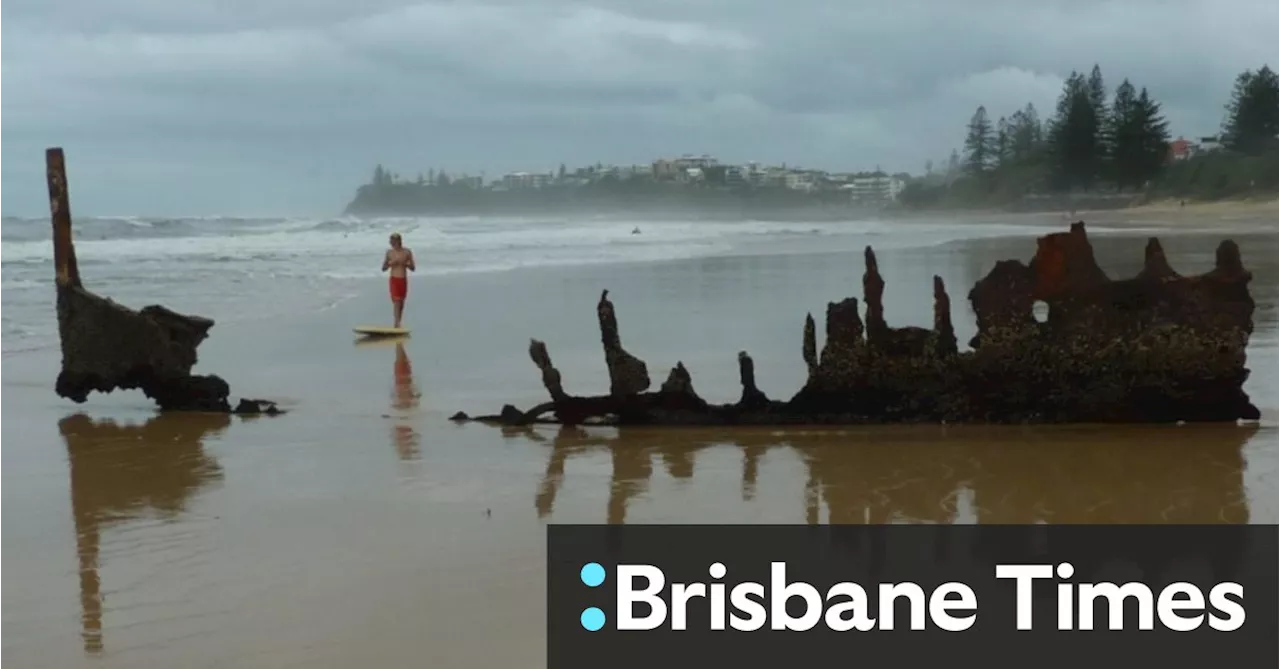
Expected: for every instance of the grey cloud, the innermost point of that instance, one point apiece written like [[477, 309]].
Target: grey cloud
[[314, 93]]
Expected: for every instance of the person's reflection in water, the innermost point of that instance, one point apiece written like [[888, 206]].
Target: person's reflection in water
[[405, 398], [120, 473]]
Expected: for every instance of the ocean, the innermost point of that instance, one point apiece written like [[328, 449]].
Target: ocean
[[233, 269]]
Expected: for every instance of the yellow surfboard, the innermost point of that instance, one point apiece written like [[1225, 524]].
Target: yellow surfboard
[[380, 331]]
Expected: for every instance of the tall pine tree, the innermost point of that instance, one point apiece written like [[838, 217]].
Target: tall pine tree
[[1003, 143], [1124, 129], [1101, 139], [1141, 138], [1073, 136], [1251, 124], [1121, 127], [979, 143], [1034, 126], [1024, 134], [1152, 152]]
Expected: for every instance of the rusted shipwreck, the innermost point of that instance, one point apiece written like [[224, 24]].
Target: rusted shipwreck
[[1158, 347], [106, 346]]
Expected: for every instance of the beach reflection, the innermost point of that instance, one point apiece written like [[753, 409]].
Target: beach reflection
[[124, 473], [949, 474]]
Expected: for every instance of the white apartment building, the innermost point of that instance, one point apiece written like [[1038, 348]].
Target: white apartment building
[[631, 171], [525, 180], [689, 161], [877, 189], [799, 181]]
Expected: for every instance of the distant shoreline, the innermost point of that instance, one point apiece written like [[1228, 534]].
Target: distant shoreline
[[779, 205], [1241, 206], [655, 210], [1164, 206], [839, 213]]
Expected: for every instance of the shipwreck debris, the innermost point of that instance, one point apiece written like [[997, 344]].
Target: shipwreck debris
[[1159, 347], [107, 346]]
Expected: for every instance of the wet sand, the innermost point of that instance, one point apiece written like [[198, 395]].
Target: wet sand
[[364, 529]]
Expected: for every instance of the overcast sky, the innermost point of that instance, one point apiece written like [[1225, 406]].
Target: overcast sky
[[243, 107]]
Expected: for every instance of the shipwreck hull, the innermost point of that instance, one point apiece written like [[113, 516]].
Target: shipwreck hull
[[1158, 347], [107, 346]]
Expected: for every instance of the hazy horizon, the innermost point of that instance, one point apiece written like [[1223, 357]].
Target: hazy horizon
[[270, 108]]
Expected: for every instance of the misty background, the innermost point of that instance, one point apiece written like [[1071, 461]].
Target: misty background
[[274, 107]]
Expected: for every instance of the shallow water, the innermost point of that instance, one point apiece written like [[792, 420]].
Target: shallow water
[[364, 528]]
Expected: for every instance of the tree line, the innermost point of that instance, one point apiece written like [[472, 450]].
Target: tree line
[[384, 178], [1101, 141], [388, 194]]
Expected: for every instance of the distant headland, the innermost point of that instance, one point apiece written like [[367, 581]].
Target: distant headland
[[684, 185]]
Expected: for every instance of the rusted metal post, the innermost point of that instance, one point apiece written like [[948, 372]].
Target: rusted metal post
[[64, 252]]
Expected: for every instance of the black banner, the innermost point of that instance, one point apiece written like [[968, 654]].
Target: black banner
[[914, 595]]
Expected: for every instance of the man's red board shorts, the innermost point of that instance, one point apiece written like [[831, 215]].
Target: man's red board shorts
[[399, 288]]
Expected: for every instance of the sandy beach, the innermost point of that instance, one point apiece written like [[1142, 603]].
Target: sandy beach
[[1220, 215], [1241, 207], [364, 528]]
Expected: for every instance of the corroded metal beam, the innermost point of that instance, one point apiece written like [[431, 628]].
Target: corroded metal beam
[[67, 273]]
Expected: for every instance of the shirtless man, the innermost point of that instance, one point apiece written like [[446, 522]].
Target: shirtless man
[[400, 261]]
